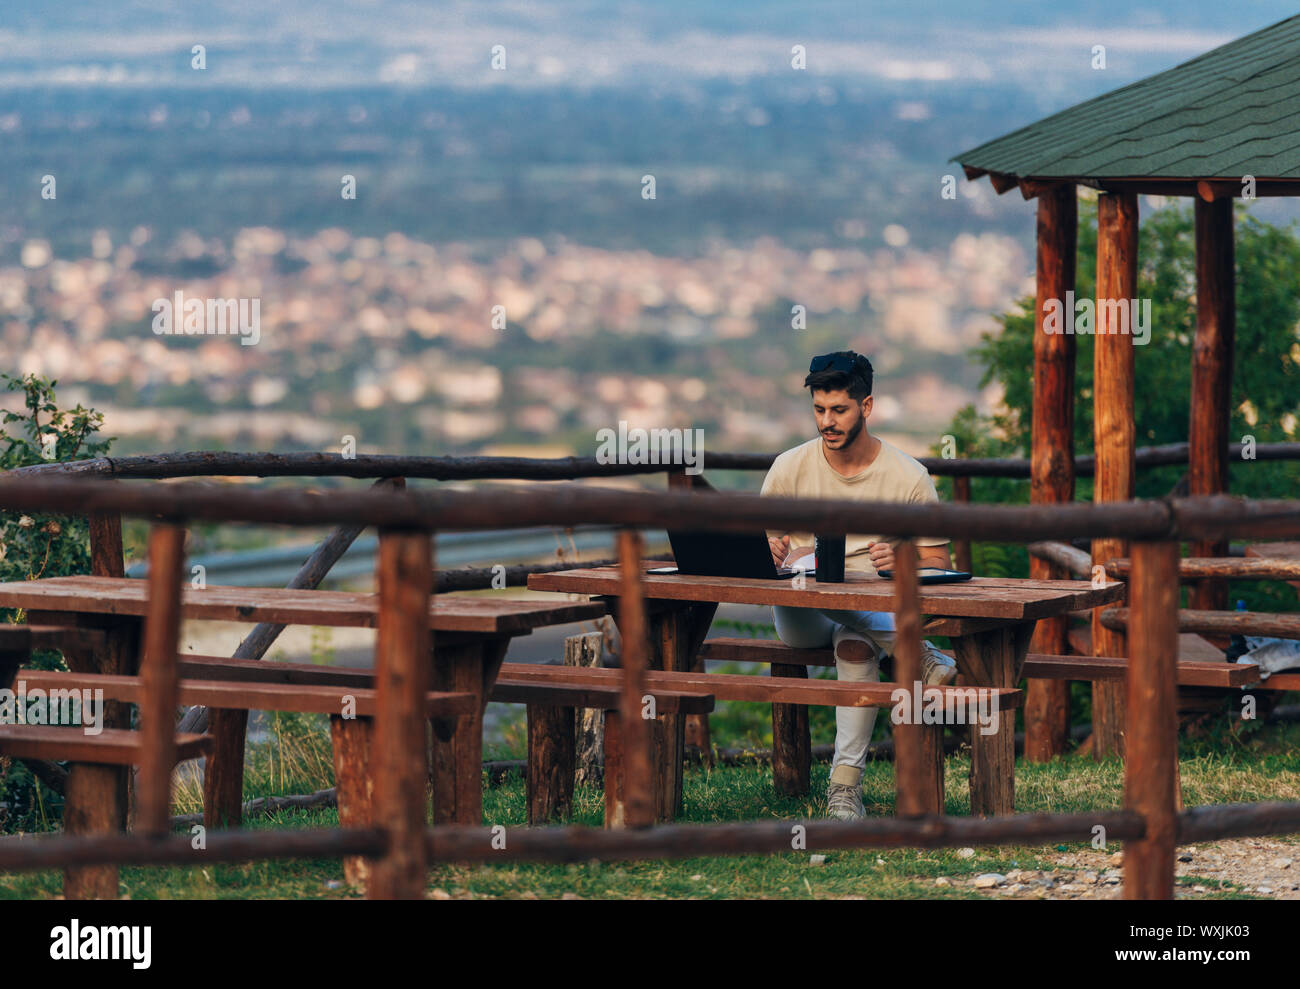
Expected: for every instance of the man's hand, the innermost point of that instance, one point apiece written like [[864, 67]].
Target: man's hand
[[779, 549], [882, 556], [796, 552]]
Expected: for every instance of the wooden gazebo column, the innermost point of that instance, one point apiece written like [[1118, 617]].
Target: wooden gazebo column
[[1216, 326], [1114, 432], [1047, 703]]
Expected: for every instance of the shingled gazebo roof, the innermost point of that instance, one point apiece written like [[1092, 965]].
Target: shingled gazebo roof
[[1224, 114]]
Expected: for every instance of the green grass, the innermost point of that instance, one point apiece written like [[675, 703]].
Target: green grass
[[1265, 765]]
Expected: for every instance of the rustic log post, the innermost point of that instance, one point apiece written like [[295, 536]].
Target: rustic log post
[[402, 649], [634, 729], [918, 761], [354, 785], [1047, 702], [1151, 756], [586, 650], [548, 782], [1114, 428], [961, 547], [159, 696], [1212, 354], [791, 740]]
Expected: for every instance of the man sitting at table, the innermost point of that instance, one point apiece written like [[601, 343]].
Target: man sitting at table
[[846, 462]]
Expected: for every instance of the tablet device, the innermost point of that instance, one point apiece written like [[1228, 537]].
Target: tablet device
[[933, 575]]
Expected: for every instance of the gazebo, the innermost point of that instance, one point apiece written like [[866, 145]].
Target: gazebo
[[1215, 128]]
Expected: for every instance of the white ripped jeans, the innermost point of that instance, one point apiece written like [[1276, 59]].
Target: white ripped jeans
[[813, 628]]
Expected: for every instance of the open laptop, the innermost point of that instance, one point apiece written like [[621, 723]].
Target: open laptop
[[726, 554]]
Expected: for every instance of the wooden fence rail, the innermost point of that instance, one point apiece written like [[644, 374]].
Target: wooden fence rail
[[228, 464]]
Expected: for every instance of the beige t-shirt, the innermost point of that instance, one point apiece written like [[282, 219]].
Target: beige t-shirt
[[803, 472]]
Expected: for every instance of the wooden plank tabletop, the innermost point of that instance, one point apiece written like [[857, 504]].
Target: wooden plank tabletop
[[1277, 551], [447, 613], [979, 597]]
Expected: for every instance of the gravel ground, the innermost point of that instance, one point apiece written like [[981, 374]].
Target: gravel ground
[[1264, 868]]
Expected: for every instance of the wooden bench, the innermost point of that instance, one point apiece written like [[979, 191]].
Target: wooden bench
[[221, 684], [788, 745], [549, 759], [791, 696], [569, 688], [551, 753], [94, 793], [1203, 673]]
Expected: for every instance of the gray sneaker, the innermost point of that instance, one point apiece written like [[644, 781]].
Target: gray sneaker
[[937, 669], [844, 802], [844, 794]]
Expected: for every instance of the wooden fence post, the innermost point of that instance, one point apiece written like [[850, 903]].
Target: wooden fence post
[[918, 748], [1151, 738], [634, 731], [158, 678], [402, 649]]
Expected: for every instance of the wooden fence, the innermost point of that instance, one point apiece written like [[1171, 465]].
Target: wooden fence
[[402, 848]]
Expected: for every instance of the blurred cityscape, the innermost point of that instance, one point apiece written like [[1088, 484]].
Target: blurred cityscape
[[393, 339]]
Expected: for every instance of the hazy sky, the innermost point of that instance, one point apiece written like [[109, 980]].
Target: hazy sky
[[1044, 48]]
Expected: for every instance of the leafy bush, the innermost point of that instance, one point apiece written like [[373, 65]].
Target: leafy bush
[[40, 545]]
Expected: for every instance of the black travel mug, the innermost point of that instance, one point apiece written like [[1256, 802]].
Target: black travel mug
[[829, 559]]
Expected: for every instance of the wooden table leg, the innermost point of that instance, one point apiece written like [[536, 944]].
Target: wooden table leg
[[697, 731], [223, 769], [676, 634], [615, 806], [403, 645], [661, 743], [470, 665], [791, 740], [94, 804], [675, 630], [552, 753], [354, 785], [993, 658], [98, 800]]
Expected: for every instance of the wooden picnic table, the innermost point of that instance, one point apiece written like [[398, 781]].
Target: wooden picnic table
[[468, 649], [989, 619]]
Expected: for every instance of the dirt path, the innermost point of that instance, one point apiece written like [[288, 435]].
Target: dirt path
[[1265, 868]]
